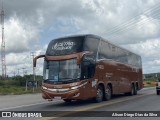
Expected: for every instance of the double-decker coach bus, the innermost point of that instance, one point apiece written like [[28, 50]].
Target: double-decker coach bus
[[88, 66]]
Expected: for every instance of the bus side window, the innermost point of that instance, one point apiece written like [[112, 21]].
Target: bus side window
[[88, 66], [91, 44], [106, 51]]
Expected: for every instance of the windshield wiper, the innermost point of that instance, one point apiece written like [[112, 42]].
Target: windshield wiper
[[66, 79], [51, 81]]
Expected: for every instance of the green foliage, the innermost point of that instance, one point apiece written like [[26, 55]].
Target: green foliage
[[1, 83], [152, 79], [19, 80], [148, 83], [16, 90], [16, 85], [152, 76]]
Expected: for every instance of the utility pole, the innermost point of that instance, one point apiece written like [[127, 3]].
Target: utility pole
[[33, 55], [3, 60], [14, 73], [23, 71], [18, 72]]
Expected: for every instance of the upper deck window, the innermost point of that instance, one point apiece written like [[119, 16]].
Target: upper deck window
[[91, 44], [65, 46], [71, 45]]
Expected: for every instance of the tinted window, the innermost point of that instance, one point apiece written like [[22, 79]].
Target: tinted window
[[134, 60], [91, 44], [121, 55], [106, 51], [109, 51]]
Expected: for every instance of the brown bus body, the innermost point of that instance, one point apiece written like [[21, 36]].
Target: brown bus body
[[120, 77]]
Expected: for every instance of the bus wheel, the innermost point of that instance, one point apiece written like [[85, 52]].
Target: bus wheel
[[135, 90], [67, 100], [108, 93], [99, 96], [132, 90]]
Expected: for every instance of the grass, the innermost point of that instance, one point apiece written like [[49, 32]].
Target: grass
[[15, 90], [149, 83]]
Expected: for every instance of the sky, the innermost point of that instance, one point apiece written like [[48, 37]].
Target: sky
[[31, 24]]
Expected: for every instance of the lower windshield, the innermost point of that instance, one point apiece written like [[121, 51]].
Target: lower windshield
[[64, 70]]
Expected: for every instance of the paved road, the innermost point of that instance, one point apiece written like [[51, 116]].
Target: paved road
[[146, 100]]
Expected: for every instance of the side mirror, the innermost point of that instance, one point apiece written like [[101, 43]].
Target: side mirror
[[88, 66], [35, 59]]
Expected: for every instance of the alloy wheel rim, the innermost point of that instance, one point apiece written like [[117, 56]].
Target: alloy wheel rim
[[99, 95], [108, 93]]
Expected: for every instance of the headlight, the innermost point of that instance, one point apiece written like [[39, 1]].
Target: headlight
[[44, 88], [78, 86], [75, 87]]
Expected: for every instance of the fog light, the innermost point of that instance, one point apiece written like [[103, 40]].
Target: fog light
[[50, 100], [44, 88]]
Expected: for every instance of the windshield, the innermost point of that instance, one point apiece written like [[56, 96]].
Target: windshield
[[64, 70]]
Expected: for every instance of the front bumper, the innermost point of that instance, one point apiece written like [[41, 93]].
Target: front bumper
[[71, 94], [158, 88]]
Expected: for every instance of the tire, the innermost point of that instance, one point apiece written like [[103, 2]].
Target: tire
[[67, 100], [108, 93], [99, 95], [158, 93], [135, 89], [131, 93]]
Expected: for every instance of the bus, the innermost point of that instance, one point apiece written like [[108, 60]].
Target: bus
[[88, 66]]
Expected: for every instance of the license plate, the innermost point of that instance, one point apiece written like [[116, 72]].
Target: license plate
[[57, 97]]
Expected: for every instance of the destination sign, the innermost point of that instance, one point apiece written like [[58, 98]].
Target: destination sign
[[63, 45]]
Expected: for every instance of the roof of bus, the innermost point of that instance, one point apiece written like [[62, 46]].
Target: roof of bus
[[96, 36], [80, 35]]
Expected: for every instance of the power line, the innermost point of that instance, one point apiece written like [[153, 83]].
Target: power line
[[131, 22], [128, 28], [34, 78], [23, 71]]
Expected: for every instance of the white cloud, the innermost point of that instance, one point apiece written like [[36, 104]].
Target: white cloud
[[149, 50], [19, 37], [134, 24], [17, 61], [157, 62]]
